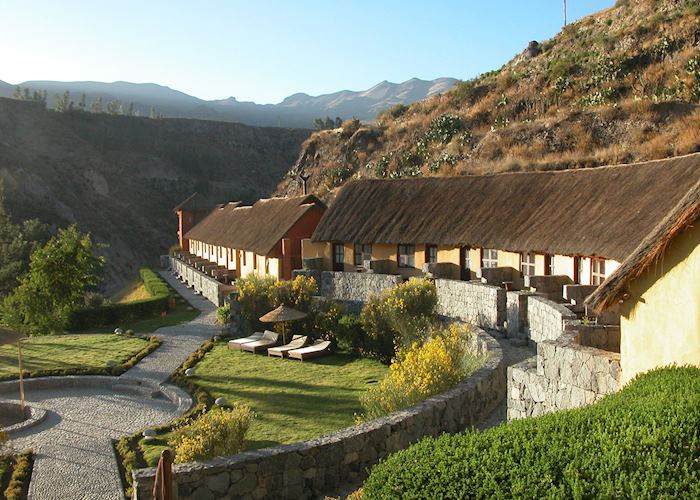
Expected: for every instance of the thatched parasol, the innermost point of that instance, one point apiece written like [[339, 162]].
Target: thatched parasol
[[283, 313], [8, 336]]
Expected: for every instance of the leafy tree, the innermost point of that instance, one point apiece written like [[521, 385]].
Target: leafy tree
[[114, 107], [97, 106], [82, 103], [17, 242], [18, 93], [25, 95], [63, 102], [59, 274]]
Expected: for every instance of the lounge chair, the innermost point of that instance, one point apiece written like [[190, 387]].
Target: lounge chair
[[269, 339], [298, 341], [237, 343], [318, 348]]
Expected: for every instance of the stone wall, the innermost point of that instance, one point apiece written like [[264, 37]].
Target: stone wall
[[354, 289], [563, 375], [516, 314], [546, 320], [311, 468], [606, 337], [472, 302], [205, 285]]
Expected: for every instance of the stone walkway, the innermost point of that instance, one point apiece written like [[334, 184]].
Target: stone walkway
[[74, 456]]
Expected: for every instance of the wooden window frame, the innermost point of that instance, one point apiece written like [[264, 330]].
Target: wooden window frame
[[409, 253], [597, 273], [338, 266], [364, 249], [490, 261], [528, 267], [428, 250]]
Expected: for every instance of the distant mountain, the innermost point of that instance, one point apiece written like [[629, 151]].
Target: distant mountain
[[298, 110]]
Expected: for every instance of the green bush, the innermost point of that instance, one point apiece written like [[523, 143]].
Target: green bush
[[110, 314], [219, 432], [642, 442], [223, 314], [21, 472], [349, 334], [398, 317]]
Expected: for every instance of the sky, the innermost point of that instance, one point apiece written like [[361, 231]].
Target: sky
[[265, 50]]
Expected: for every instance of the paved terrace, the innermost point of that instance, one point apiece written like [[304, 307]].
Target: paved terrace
[[74, 455]]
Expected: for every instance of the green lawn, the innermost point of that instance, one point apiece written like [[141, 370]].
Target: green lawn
[[60, 352], [293, 401]]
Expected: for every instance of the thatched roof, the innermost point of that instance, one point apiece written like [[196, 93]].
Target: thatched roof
[[683, 216], [257, 228], [603, 211], [194, 203]]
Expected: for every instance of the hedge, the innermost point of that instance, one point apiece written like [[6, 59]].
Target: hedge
[[642, 442], [21, 474], [118, 313]]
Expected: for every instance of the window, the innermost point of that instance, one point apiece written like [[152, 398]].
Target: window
[[548, 265], [489, 258], [363, 253], [578, 270], [465, 263], [338, 257], [431, 253], [527, 263], [597, 271], [407, 255]]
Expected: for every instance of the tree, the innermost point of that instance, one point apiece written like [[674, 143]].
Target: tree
[[338, 122], [25, 95], [63, 102], [17, 242], [59, 275], [82, 103], [130, 112], [96, 106], [18, 93], [114, 107]]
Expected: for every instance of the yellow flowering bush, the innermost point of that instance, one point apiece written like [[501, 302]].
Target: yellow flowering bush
[[218, 432], [398, 317], [422, 370], [258, 295]]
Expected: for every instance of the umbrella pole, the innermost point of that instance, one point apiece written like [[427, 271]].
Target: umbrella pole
[[21, 380]]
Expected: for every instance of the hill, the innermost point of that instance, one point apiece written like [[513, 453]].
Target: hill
[[298, 110], [119, 176], [618, 86]]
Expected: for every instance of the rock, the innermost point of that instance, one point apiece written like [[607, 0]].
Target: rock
[[220, 401], [189, 372]]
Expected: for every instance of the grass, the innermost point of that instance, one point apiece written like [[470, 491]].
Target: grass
[[183, 312], [133, 291], [68, 352], [293, 401]]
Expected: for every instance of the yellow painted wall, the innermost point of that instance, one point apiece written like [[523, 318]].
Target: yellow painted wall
[[539, 265], [508, 259], [660, 323]]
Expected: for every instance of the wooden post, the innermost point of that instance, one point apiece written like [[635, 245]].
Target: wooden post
[[21, 379], [163, 486]]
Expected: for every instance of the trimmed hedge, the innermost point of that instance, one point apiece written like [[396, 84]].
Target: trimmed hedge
[[18, 486], [642, 442], [118, 313]]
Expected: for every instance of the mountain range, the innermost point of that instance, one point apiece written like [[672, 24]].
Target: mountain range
[[298, 110]]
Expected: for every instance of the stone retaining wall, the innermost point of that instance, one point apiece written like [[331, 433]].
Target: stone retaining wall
[[201, 283], [546, 319], [310, 468], [563, 375], [355, 289], [472, 302]]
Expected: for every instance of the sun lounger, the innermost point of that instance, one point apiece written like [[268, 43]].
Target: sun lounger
[[298, 341], [269, 339], [237, 343], [318, 348]]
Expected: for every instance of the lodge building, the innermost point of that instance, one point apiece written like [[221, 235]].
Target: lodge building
[[502, 229]]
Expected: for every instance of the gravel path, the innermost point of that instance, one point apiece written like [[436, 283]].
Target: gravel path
[[74, 457]]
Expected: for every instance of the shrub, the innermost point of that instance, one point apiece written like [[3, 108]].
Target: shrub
[[642, 442], [349, 334], [94, 299], [109, 314], [259, 295], [421, 371], [398, 317], [223, 314], [19, 481], [219, 432]]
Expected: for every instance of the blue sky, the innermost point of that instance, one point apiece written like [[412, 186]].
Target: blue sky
[[265, 50]]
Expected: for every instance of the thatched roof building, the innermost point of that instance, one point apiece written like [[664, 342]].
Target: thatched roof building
[[649, 252], [257, 228], [194, 203], [603, 211]]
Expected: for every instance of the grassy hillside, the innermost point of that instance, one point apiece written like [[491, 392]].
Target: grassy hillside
[[119, 176], [618, 86]]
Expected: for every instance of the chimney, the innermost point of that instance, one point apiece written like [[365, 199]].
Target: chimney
[[304, 179]]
